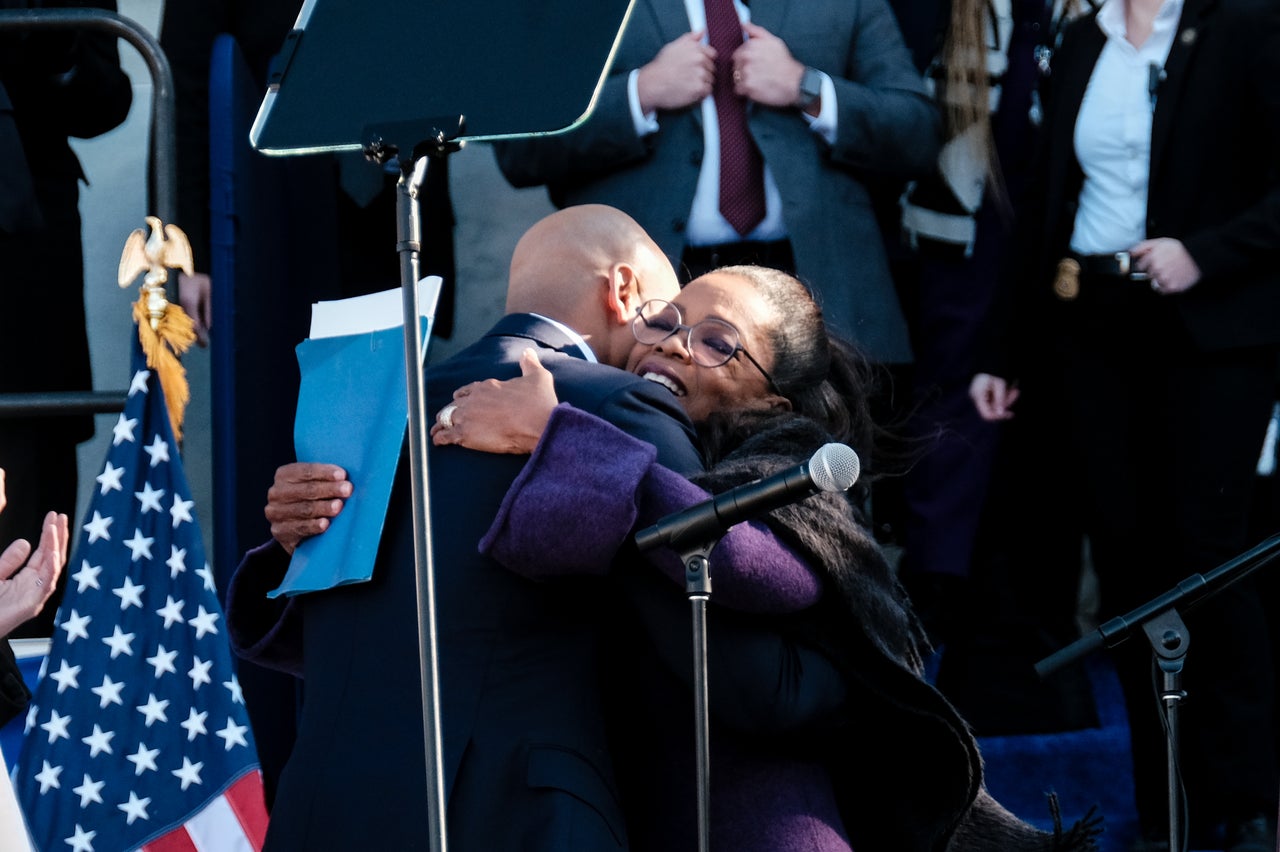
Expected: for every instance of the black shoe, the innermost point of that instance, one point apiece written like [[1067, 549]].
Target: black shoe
[[1256, 834]]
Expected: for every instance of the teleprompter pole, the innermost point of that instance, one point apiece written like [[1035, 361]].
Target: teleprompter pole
[[413, 174]]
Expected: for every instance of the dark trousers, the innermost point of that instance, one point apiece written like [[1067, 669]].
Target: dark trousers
[[1167, 440], [699, 260]]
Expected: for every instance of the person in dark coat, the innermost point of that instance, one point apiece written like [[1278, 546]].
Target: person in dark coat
[[55, 85], [525, 764], [1149, 276]]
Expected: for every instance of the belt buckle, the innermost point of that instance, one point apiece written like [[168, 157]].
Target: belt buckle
[[1124, 262]]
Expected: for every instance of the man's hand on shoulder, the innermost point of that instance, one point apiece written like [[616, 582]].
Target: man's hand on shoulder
[[304, 499]]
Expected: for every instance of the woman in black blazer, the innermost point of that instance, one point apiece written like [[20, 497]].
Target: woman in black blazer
[[1152, 263]]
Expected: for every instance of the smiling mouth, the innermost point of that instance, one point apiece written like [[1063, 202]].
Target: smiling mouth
[[664, 380]]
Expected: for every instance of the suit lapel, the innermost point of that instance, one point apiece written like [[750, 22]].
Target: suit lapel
[[669, 17], [770, 14], [1196, 18], [1072, 78]]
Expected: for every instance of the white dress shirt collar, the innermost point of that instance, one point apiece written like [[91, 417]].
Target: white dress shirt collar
[[577, 340]]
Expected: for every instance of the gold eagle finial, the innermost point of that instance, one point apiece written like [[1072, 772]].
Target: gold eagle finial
[[164, 330], [166, 247]]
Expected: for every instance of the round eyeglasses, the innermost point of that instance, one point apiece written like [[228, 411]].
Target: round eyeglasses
[[711, 342]]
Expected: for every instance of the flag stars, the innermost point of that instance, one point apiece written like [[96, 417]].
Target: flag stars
[[57, 726], [233, 686], [140, 545], [98, 528], [109, 692], [48, 776], [143, 759], [81, 841], [135, 808], [119, 642], [163, 661], [66, 676], [154, 709], [98, 741], [76, 626], [139, 383], [199, 673], [189, 773], [181, 510], [206, 573], [130, 594], [158, 450], [123, 430], [177, 561], [195, 724], [171, 612], [89, 791], [203, 622], [149, 498], [109, 479], [233, 734], [87, 576]]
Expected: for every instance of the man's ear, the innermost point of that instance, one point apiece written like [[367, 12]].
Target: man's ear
[[623, 295]]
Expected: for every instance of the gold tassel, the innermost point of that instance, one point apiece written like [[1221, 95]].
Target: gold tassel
[[172, 336]]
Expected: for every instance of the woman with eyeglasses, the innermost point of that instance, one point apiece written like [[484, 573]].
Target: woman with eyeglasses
[[886, 763]]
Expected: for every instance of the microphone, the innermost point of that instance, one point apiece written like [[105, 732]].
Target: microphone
[[834, 467]]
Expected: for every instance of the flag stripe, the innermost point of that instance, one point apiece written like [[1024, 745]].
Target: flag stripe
[[175, 841], [216, 829], [246, 799], [235, 820]]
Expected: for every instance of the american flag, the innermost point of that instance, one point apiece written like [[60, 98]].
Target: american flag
[[137, 736]]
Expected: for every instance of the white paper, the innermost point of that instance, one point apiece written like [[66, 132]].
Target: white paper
[[374, 312]]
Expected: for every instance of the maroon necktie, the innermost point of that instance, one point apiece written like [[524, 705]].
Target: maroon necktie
[[741, 166]]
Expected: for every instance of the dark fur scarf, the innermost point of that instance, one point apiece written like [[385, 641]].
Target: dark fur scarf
[[906, 767]]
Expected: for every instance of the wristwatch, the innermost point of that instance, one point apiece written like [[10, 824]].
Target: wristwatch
[[810, 87]]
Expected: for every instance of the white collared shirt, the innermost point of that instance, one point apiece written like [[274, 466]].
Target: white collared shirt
[[706, 225], [1113, 132]]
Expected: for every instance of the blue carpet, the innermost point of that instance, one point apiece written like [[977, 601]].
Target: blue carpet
[[1084, 768]]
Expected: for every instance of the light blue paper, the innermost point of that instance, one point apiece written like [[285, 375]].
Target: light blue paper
[[352, 412]]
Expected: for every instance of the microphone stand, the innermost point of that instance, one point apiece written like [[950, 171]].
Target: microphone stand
[[1169, 638], [697, 583]]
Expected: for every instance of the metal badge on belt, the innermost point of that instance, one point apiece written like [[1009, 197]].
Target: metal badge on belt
[[1066, 284]]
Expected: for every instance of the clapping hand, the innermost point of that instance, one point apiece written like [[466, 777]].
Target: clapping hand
[[27, 579]]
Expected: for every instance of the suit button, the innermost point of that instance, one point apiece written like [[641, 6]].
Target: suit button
[[695, 158], [678, 225]]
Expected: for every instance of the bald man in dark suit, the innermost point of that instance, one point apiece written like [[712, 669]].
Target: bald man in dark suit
[[525, 758]]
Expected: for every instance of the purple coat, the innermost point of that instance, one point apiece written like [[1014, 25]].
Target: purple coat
[[762, 800]]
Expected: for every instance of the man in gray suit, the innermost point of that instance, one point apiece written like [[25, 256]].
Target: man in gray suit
[[829, 99]]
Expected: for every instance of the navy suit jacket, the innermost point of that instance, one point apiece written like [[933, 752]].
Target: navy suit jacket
[[888, 129], [525, 760]]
